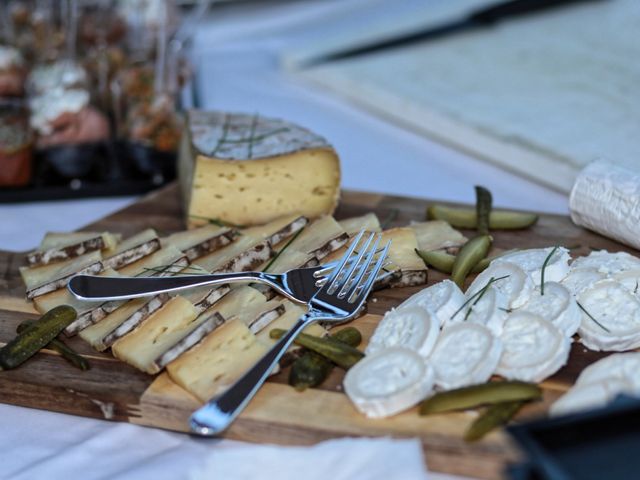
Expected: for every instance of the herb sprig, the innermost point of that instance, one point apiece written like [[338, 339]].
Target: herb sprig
[[593, 318], [544, 267], [491, 281], [277, 255]]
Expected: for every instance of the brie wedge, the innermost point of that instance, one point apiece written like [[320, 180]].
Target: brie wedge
[[388, 382]]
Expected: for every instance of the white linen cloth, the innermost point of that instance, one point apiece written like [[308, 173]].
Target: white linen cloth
[[236, 55]]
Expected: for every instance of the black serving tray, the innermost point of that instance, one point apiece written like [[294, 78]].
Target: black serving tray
[[600, 444]]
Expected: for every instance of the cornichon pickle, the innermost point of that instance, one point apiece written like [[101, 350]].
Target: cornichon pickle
[[338, 352], [477, 395], [65, 351], [468, 257], [36, 336], [484, 201], [443, 262], [467, 218], [311, 369], [495, 416]]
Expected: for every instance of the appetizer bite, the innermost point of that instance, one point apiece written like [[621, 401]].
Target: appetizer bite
[[57, 75], [12, 72], [155, 125], [15, 148]]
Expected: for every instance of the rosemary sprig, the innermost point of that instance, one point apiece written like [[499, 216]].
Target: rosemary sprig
[[592, 318], [479, 292], [275, 257], [544, 266], [218, 222]]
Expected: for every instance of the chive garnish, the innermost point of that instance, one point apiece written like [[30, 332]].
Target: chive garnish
[[635, 290], [544, 266], [482, 292], [479, 292], [508, 310], [275, 257], [592, 318]]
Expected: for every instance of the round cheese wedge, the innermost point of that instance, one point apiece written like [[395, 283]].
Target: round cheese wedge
[[582, 278], [410, 327], [466, 354], [509, 279], [590, 396], [557, 305], [610, 317], [442, 299], [532, 260], [533, 348], [489, 310], [625, 366], [388, 382], [607, 262]]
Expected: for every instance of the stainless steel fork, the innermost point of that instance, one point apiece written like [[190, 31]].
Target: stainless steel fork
[[339, 299]]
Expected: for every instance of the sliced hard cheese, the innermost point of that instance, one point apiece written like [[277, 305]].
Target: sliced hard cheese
[[388, 382], [133, 249], [437, 235], [292, 312], [410, 327], [442, 300], [248, 170], [92, 243], [218, 360], [42, 280], [64, 239], [201, 241], [534, 348], [610, 317], [368, 222], [466, 354], [405, 268]]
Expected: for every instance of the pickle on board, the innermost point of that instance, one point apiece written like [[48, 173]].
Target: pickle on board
[[467, 218], [36, 336], [65, 351], [484, 202], [495, 416], [477, 395], [443, 262], [468, 257]]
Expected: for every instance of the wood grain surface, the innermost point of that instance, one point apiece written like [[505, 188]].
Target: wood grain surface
[[115, 391]]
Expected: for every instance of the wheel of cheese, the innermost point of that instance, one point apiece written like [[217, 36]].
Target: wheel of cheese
[[411, 327], [466, 354], [388, 382], [611, 317], [533, 348]]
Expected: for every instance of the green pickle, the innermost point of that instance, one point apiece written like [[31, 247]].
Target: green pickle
[[65, 351], [468, 257], [36, 336], [443, 262], [484, 202], [467, 218], [478, 395], [495, 416]]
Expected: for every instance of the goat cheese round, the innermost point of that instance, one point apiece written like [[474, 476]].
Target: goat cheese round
[[388, 382], [466, 354], [509, 279], [489, 310], [625, 366], [410, 327], [630, 279], [611, 317], [579, 279], [557, 305], [532, 260], [606, 262], [590, 396], [533, 348], [442, 300]]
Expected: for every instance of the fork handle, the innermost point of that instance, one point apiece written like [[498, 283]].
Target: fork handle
[[88, 287], [214, 417]]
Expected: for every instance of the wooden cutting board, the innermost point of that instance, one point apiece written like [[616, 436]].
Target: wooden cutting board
[[115, 391]]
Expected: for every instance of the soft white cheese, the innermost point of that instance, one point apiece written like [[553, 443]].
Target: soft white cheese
[[581, 278], [607, 263], [532, 260], [509, 279], [625, 366], [442, 300], [557, 305], [590, 396]]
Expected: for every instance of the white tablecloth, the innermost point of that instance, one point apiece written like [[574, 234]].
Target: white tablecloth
[[236, 56]]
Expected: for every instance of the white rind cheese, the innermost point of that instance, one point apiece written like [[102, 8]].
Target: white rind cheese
[[581, 278], [606, 199], [489, 310], [410, 327], [532, 260], [557, 305], [442, 300], [590, 396], [607, 263], [466, 354], [248, 169], [509, 280], [625, 366], [388, 382], [534, 348], [613, 319]]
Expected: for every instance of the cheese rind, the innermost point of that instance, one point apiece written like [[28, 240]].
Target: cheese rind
[[248, 169]]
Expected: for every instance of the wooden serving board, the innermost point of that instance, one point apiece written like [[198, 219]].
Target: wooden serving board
[[115, 391]]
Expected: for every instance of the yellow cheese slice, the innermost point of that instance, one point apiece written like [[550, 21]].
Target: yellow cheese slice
[[201, 241], [368, 222], [437, 235], [133, 249], [287, 320], [60, 239], [66, 249], [248, 169]]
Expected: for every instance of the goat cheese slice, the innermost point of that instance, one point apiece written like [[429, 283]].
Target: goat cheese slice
[[532, 260], [590, 396], [534, 348], [557, 305], [388, 382], [630, 279], [410, 327], [442, 300], [488, 310], [509, 279], [582, 278], [625, 366], [611, 317], [466, 354], [606, 262]]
